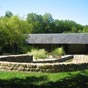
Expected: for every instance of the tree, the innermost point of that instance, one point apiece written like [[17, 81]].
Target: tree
[[8, 14], [33, 17], [85, 29], [47, 18], [12, 39], [36, 23]]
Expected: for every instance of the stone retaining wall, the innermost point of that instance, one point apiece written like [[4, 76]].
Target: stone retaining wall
[[17, 58], [25, 63], [32, 67]]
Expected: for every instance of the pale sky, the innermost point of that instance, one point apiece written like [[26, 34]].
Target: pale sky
[[76, 10]]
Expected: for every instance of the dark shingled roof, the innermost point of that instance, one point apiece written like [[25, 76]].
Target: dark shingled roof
[[68, 38]]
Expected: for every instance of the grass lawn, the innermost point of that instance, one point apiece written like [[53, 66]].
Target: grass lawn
[[77, 79]]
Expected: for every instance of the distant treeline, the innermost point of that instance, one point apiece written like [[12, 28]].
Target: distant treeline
[[12, 27], [34, 23]]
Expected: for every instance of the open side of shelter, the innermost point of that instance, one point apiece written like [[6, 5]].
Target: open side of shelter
[[73, 43]]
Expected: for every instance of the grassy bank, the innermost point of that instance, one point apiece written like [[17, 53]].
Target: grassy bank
[[78, 79]]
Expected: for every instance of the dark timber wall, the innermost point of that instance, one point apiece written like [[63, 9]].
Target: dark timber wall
[[77, 49], [47, 47]]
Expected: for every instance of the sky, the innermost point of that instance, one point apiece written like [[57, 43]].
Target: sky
[[76, 10]]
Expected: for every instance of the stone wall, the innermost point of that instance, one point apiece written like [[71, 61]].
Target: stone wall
[[25, 63], [32, 67], [17, 58]]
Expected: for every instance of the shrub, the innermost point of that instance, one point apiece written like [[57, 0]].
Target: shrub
[[41, 53], [58, 52]]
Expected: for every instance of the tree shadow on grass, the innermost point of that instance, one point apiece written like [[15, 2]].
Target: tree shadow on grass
[[28, 82], [76, 81]]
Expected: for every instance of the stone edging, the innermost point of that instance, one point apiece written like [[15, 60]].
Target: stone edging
[[17, 58]]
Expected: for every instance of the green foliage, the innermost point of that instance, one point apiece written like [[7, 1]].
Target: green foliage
[[47, 18], [46, 24], [8, 14], [85, 29], [12, 42], [12, 39], [39, 53], [58, 52], [35, 23], [13, 27]]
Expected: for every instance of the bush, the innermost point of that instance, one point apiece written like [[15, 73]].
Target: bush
[[37, 54], [58, 52]]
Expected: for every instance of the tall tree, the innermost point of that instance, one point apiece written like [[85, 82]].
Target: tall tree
[[11, 37], [8, 14], [47, 18]]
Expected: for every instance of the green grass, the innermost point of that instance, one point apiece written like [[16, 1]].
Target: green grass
[[77, 79]]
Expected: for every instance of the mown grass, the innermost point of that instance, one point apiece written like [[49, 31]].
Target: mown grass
[[77, 79]]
